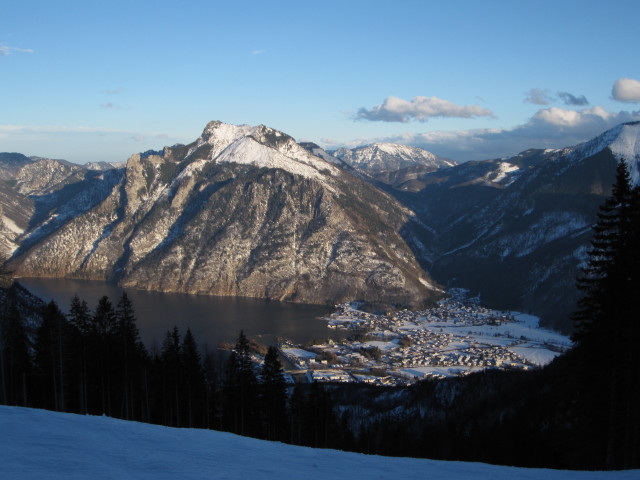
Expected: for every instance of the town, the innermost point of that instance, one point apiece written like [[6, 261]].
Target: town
[[457, 337]]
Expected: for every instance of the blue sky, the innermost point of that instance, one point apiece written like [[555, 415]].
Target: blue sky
[[88, 81]]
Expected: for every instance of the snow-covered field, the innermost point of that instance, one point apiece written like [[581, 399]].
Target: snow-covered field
[[36, 444]]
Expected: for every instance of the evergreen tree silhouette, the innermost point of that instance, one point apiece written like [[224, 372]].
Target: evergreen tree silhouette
[[607, 326]]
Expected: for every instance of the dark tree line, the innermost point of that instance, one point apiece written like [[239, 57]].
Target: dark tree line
[[607, 336], [94, 362]]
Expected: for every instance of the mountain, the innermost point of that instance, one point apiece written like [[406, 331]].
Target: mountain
[[386, 157], [103, 166], [397, 165], [241, 211], [11, 163], [517, 230]]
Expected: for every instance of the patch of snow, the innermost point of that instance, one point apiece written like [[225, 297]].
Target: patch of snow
[[382, 345], [11, 225], [534, 353], [247, 150], [298, 352], [627, 146]]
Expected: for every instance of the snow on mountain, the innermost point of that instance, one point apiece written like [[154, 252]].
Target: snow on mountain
[[627, 146], [102, 166], [259, 146], [318, 151], [381, 157], [37, 444], [624, 142]]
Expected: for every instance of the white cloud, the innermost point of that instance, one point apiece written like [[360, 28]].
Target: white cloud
[[626, 90], [395, 109], [6, 50]]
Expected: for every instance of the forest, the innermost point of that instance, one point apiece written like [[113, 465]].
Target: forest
[[580, 412]]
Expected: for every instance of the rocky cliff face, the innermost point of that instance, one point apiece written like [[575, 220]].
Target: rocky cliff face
[[242, 211]]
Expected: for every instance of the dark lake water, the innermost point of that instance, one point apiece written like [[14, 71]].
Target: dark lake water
[[211, 319]]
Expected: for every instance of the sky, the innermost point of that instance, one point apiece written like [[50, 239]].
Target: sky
[[467, 80]]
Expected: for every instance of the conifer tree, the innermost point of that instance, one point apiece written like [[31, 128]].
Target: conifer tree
[[273, 396], [607, 331], [194, 381], [52, 358], [103, 342], [172, 378], [15, 362], [130, 360], [80, 319], [240, 390]]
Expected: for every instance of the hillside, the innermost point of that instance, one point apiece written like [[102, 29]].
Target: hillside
[[36, 444], [242, 211], [516, 230]]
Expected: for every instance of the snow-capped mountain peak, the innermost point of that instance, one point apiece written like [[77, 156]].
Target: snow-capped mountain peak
[[381, 157], [261, 146], [624, 142], [627, 146]]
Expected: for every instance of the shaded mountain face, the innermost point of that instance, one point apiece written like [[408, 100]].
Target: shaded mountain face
[[517, 230], [241, 211], [11, 163]]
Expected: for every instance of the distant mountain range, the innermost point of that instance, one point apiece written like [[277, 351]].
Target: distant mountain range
[[248, 211]]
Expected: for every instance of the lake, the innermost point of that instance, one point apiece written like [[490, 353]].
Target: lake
[[211, 319]]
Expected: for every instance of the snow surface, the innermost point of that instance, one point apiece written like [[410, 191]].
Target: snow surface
[[534, 353], [37, 444], [11, 225], [300, 353], [627, 146], [244, 144], [624, 142]]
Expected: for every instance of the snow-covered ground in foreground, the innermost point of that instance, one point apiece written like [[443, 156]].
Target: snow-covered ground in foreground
[[36, 444]]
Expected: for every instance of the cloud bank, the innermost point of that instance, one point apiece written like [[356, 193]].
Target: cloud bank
[[551, 127], [626, 90], [395, 109]]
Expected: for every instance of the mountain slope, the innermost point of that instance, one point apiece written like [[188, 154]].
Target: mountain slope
[[516, 230], [37, 444], [397, 165], [11, 163], [385, 157], [241, 211]]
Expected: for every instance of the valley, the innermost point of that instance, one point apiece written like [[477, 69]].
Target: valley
[[246, 211]]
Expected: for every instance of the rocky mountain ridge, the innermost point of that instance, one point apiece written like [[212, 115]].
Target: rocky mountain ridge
[[241, 211]]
